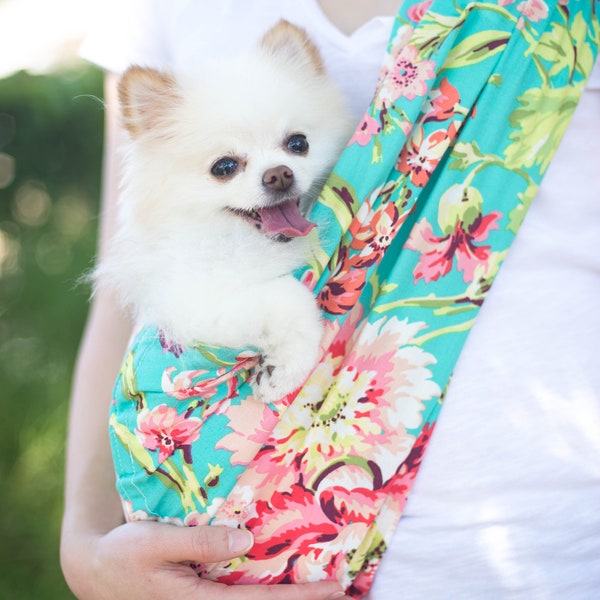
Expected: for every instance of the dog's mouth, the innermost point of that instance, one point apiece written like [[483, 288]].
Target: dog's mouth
[[281, 222]]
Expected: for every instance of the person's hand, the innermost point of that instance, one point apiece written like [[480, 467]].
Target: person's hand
[[146, 561]]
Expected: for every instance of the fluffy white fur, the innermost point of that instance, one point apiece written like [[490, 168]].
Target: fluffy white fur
[[181, 259]]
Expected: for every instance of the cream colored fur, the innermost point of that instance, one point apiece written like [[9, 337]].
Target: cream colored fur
[[181, 259]]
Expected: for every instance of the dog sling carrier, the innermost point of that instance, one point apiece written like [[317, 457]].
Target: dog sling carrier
[[414, 223]]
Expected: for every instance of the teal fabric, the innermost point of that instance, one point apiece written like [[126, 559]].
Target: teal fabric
[[414, 223]]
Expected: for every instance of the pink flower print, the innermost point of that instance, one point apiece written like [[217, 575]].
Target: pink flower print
[[366, 130], [296, 541], [421, 155], [347, 496], [343, 289], [316, 429], [164, 430], [336, 335], [196, 519], [300, 547], [183, 386], [386, 347], [417, 11], [237, 509], [250, 424], [534, 10], [383, 379], [196, 384], [464, 225], [442, 102], [345, 506], [373, 231], [403, 384], [361, 416], [406, 77], [413, 461]]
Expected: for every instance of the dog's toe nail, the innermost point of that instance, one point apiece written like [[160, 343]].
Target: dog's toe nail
[[270, 369], [259, 377]]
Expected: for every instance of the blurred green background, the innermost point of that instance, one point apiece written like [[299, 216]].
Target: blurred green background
[[50, 156]]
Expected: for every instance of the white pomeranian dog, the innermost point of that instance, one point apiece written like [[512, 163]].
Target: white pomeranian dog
[[210, 227]]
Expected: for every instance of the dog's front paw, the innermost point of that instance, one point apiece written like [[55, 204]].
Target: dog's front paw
[[289, 333], [271, 383], [264, 381], [275, 377]]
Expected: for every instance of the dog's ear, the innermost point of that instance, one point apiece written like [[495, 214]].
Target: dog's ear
[[147, 99], [292, 44]]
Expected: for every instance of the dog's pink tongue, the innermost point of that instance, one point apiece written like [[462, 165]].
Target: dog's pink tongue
[[285, 218]]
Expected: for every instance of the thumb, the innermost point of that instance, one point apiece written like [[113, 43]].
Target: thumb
[[204, 543]]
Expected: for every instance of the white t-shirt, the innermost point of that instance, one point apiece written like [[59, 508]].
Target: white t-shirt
[[507, 502]]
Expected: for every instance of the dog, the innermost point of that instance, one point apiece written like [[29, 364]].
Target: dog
[[219, 167]]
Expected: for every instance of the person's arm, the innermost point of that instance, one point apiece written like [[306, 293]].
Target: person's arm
[[103, 558], [92, 504]]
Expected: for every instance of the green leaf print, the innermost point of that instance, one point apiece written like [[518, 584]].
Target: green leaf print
[[214, 474], [518, 213], [566, 48], [212, 354], [583, 49], [192, 485], [340, 197], [475, 48], [464, 155], [370, 550], [167, 472], [539, 125], [133, 445], [129, 387], [433, 30]]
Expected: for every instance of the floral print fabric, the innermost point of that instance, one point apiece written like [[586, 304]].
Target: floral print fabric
[[414, 224]]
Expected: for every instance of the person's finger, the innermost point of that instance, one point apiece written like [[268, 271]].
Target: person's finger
[[196, 544], [215, 543]]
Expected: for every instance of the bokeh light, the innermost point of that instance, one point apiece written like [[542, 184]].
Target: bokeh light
[[50, 161], [7, 170], [32, 204]]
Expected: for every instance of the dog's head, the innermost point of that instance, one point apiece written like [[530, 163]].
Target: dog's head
[[247, 137]]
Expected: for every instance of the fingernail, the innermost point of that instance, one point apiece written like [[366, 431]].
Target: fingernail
[[240, 541], [337, 596]]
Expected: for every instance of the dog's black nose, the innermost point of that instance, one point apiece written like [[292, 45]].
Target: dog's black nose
[[278, 178]]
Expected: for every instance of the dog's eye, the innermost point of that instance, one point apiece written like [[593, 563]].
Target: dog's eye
[[224, 167], [298, 144]]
